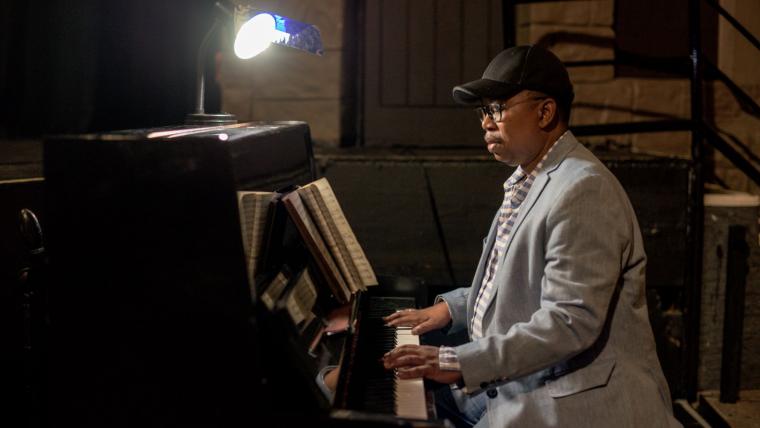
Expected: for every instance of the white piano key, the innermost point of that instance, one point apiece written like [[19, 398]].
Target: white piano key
[[410, 393]]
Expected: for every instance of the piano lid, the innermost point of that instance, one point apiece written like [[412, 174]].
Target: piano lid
[[261, 155]]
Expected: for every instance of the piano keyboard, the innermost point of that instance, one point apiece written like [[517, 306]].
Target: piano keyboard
[[381, 391]]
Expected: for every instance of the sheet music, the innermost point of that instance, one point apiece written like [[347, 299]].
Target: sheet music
[[309, 231], [330, 234], [254, 207], [245, 207], [274, 290], [301, 299], [345, 233]]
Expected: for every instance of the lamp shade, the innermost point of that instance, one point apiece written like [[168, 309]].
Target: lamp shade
[[257, 30]]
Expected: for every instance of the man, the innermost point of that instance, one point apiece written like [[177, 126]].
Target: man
[[557, 312]]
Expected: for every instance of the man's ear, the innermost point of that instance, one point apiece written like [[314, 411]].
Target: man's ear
[[547, 113]]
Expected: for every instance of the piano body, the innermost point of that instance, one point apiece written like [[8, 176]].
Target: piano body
[[152, 319]]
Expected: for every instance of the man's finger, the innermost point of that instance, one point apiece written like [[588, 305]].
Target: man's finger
[[399, 313], [401, 350], [408, 320], [405, 349], [391, 357], [392, 316], [411, 372], [396, 322], [405, 361], [423, 327]]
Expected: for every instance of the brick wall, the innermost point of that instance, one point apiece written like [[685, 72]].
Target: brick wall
[[600, 97], [287, 84]]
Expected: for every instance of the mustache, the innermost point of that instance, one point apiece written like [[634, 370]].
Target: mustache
[[492, 138]]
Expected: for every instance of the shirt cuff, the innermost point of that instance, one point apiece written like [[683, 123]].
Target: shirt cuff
[[447, 359]]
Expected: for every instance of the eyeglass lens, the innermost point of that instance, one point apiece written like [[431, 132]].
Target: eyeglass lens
[[495, 110], [492, 110]]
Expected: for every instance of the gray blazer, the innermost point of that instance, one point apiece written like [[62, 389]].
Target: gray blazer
[[567, 335]]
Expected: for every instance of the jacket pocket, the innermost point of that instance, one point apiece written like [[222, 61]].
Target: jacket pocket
[[592, 376]]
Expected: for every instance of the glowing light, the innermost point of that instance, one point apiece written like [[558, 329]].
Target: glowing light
[[257, 34]]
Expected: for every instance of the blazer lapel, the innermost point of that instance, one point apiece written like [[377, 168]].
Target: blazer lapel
[[478, 279], [555, 158], [533, 194]]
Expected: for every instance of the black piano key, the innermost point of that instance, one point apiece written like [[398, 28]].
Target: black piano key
[[375, 391]]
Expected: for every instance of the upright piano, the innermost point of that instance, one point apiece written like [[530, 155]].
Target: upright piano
[[153, 320]]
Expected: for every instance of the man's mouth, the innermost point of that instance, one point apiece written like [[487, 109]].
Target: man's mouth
[[491, 143]]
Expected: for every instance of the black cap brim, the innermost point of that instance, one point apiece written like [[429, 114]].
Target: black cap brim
[[472, 93]]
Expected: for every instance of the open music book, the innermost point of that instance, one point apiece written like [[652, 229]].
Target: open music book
[[322, 225], [253, 207]]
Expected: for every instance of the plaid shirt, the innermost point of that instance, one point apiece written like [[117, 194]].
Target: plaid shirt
[[515, 191]]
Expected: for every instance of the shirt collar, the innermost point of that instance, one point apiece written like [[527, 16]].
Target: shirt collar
[[543, 159], [519, 174]]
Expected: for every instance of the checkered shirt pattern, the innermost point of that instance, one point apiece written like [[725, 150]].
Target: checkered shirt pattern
[[515, 190], [447, 358]]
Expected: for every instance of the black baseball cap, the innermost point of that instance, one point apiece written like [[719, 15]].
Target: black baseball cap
[[516, 69]]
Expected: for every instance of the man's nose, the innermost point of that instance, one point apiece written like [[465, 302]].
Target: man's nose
[[487, 123]]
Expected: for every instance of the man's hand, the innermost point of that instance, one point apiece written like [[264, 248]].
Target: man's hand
[[415, 361], [331, 379], [423, 320]]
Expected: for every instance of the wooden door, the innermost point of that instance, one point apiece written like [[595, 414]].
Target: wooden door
[[415, 52]]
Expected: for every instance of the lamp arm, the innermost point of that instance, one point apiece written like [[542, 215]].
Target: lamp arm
[[199, 117], [200, 69]]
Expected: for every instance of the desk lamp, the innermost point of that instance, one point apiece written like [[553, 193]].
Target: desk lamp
[[255, 31]]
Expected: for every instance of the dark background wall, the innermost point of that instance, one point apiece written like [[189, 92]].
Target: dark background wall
[[76, 66], [90, 65]]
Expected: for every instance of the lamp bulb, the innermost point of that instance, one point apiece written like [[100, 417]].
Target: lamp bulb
[[255, 36]]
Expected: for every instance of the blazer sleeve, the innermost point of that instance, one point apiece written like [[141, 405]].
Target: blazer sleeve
[[588, 233], [457, 303]]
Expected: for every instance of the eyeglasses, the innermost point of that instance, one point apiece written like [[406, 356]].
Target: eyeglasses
[[496, 111]]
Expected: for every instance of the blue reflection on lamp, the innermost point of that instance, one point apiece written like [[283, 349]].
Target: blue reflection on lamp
[[260, 29], [256, 30]]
